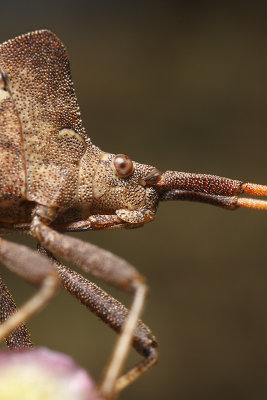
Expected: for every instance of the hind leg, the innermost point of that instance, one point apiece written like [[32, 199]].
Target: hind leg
[[20, 336], [33, 268]]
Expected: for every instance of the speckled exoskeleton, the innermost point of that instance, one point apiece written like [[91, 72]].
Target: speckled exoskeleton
[[54, 179]]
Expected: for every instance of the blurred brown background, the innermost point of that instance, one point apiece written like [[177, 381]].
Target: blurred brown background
[[181, 85]]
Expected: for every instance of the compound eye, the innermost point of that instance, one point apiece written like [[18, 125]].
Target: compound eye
[[123, 165]]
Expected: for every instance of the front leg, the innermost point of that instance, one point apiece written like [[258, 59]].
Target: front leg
[[122, 219], [94, 222], [110, 268]]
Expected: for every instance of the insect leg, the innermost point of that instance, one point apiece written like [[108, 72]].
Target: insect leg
[[110, 268], [35, 269], [113, 313], [20, 336], [92, 223]]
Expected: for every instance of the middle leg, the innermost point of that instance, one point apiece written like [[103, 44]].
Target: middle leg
[[110, 268], [111, 312]]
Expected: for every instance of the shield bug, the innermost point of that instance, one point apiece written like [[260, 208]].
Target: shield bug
[[53, 179]]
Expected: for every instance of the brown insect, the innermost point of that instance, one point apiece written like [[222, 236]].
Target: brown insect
[[53, 179]]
